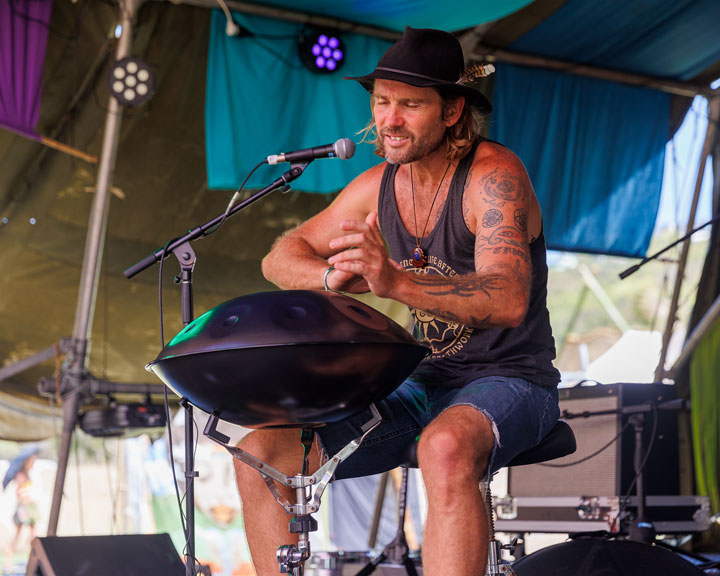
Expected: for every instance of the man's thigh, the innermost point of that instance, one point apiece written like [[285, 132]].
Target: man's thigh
[[520, 413]]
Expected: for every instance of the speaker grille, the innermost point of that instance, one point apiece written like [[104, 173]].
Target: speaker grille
[[611, 472], [597, 476]]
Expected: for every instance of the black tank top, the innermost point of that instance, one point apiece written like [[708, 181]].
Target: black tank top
[[460, 354]]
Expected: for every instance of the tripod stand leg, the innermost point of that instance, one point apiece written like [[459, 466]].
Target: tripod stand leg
[[370, 567], [397, 550], [409, 566]]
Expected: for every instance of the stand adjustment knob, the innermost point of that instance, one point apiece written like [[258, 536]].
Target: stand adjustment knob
[[303, 523]]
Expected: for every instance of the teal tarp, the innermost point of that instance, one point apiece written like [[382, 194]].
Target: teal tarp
[[594, 149], [261, 100]]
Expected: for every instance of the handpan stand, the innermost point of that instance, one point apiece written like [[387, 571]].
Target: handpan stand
[[292, 358], [308, 488]]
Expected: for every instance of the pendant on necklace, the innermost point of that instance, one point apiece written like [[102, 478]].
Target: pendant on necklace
[[419, 259]]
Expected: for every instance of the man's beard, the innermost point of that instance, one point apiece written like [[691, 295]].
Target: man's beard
[[418, 148]]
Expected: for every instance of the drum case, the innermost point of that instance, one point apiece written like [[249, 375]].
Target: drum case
[[569, 514]]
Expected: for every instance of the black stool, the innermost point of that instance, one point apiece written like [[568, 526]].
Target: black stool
[[559, 442]]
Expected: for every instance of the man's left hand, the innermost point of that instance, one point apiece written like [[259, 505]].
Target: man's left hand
[[361, 251]]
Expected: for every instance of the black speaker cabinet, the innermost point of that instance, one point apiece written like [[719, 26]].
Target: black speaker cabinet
[[611, 472], [121, 555]]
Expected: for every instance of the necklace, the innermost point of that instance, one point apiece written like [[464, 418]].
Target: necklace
[[419, 259]]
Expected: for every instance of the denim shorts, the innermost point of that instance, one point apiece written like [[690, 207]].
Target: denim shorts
[[520, 412]]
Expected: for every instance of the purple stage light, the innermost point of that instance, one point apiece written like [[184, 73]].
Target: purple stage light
[[321, 52]]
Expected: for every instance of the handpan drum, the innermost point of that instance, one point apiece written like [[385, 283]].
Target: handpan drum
[[288, 358]]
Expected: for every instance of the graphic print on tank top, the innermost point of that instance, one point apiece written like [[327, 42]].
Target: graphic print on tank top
[[444, 337]]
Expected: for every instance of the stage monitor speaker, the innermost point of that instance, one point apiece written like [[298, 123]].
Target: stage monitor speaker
[[611, 472], [120, 555]]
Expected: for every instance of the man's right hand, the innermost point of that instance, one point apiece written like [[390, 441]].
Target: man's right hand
[[339, 281]]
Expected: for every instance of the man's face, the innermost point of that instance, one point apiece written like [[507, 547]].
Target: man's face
[[409, 120]]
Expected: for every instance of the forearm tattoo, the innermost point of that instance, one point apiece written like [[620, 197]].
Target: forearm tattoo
[[461, 286]]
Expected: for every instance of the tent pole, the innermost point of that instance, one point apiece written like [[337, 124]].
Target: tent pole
[[710, 135], [75, 370]]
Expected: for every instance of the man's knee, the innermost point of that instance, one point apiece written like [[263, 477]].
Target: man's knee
[[456, 447]]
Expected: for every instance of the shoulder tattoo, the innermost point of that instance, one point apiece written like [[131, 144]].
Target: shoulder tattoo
[[502, 186]]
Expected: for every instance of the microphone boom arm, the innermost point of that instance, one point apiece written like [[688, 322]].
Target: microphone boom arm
[[200, 231]]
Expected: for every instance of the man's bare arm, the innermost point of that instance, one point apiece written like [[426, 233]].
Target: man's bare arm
[[299, 258], [498, 197]]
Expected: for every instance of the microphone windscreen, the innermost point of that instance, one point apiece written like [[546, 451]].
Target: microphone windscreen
[[344, 148]]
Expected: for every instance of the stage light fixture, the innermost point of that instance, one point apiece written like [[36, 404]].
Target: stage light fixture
[[131, 82], [321, 51]]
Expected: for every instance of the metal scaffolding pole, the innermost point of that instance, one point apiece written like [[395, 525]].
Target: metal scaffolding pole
[[710, 135], [75, 369]]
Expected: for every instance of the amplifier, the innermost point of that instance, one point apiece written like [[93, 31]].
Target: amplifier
[[611, 471]]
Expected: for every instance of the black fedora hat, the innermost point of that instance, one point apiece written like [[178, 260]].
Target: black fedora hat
[[428, 58]]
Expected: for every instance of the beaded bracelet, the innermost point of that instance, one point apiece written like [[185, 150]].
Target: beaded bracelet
[[325, 279]]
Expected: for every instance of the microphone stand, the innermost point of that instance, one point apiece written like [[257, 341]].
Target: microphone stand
[[181, 248], [635, 267], [642, 529]]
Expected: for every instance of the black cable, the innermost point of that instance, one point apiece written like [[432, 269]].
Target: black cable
[[172, 463], [15, 12], [586, 458], [623, 503], [160, 296], [232, 200], [168, 415]]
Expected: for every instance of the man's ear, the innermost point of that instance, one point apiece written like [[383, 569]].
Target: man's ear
[[453, 110]]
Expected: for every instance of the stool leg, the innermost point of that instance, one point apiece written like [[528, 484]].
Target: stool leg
[[495, 567]]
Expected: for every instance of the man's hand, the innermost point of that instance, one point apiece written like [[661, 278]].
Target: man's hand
[[361, 253]]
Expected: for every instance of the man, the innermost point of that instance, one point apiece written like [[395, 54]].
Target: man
[[467, 255]]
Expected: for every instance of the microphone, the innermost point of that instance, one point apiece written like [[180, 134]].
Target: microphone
[[343, 149]]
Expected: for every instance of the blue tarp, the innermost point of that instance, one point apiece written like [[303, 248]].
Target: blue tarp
[[594, 150], [675, 39]]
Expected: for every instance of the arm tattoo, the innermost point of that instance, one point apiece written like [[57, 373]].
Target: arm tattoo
[[464, 286], [520, 218], [502, 186], [503, 240], [504, 235], [492, 218]]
